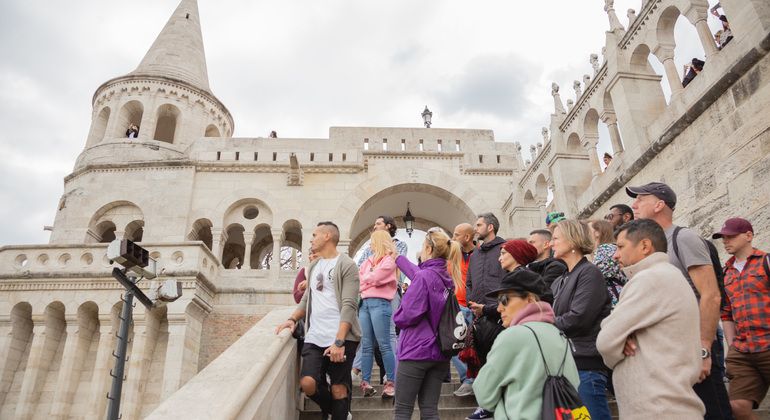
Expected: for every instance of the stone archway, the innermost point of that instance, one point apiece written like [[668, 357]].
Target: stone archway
[[430, 205]]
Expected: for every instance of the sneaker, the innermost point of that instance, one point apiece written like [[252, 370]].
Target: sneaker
[[350, 415], [464, 390], [367, 389], [389, 390], [480, 413]]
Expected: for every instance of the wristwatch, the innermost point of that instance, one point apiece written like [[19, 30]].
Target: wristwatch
[[704, 353], [339, 343]]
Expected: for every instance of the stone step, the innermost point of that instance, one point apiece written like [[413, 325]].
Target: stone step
[[377, 402], [446, 389], [387, 414]]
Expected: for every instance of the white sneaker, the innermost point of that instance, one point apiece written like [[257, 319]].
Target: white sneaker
[[464, 390], [350, 415]]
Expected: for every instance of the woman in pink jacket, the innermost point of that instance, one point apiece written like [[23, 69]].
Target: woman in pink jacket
[[378, 286]]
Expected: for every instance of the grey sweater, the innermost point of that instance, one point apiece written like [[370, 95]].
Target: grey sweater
[[346, 286]]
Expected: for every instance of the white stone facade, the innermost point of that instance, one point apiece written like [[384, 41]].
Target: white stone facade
[[199, 199]]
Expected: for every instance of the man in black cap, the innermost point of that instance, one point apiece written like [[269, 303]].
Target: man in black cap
[[690, 253]]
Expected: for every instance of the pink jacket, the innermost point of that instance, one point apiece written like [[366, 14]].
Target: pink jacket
[[378, 281]]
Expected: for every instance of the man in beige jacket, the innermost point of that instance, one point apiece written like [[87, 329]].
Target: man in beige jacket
[[658, 308]]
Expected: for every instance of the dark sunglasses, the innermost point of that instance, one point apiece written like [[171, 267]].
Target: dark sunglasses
[[503, 299], [320, 280]]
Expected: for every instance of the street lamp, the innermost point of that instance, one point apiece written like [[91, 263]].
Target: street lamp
[[409, 220], [426, 117]]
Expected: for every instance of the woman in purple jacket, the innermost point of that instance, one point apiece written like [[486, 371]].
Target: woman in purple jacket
[[421, 365]]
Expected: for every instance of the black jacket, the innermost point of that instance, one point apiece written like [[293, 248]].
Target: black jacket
[[549, 269], [581, 302], [485, 274]]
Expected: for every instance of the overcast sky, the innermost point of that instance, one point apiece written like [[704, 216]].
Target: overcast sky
[[297, 67]]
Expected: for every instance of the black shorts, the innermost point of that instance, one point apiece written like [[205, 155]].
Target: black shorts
[[318, 366]]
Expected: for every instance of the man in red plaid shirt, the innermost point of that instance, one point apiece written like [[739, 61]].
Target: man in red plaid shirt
[[746, 318]]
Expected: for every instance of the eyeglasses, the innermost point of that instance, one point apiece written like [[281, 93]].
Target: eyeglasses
[[320, 279], [503, 299]]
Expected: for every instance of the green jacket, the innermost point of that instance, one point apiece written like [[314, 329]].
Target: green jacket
[[511, 383], [346, 285]]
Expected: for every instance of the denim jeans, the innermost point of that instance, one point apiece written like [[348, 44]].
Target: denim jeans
[[593, 392], [375, 317]]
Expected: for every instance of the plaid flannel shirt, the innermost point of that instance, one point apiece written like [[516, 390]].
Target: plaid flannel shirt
[[748, 303]]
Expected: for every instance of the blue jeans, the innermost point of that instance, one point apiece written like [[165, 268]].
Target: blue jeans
[[375, 317], [593, 392]]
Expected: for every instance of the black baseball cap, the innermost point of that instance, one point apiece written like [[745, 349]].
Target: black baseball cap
[[658, 189]]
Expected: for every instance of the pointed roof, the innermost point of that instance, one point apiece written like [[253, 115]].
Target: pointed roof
[[178, 50]]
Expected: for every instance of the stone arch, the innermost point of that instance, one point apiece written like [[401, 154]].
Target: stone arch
[[435, 205], [168, 118], [235, 247], [573, 144], [591, 123], [640, 60], [130, 113], [99, 126], [134, 231], [120, 213], [105, 231], [212, 131], [262, 247], [529, 199], [248, 212], [226, 210], [541, 188], [18, 352], [201, 231], [291, 244], [430, 178]]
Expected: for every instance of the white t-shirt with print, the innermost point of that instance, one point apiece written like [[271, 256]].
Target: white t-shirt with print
[[325, 312]]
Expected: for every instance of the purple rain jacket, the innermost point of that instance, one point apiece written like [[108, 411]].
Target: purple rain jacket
[[421, 307]]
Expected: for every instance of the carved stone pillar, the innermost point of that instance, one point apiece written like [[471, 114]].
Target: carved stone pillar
[[609, 7], [307, 235], [611, 120], [589, 142], [666, 55], [275, 265], [45, 341], [149, 121], [140, 357], [248, 240], [75, 352], [184, 337], [557, 105], [704, 33], [218, 238], [100, 380]]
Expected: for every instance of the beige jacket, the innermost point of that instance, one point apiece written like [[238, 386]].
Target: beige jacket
[[659, 308]]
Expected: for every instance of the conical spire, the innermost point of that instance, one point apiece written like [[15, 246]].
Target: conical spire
[[178, 51]]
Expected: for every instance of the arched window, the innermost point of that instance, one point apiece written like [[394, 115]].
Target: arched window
[[99, 126], [167, 121], [105, 231], [212, 131], [130, 113], [201, 231], [232, 255], [135, 231]]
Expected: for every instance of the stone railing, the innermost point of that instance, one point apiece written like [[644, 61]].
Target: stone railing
[[256, 377], [62, 261]]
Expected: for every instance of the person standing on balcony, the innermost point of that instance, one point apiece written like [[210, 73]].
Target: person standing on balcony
[[330, 307]]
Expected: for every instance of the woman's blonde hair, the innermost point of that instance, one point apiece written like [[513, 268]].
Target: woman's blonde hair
[[605, 231], [381, 243], [577, 234], [442, 246]]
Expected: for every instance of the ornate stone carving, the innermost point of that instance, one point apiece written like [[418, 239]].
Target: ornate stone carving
[[578, 89], [615, 25], [557, 105], [586, 80], [570, 104], [594, 60], [544, 134], [631, 16]]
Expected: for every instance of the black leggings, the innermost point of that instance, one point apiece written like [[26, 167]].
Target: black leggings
[[421, 380]]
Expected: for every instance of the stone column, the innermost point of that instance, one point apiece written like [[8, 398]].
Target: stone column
[[101, 379], [45, 341], [275, 265], [140, 358], [611, 120], [218, 238], [609, 7], [184, 337], [248, 240], [704, 33], [12, 346], [557, 105], [666, 55], [149, 120], [589, 142], [307, 235], [75, 351]]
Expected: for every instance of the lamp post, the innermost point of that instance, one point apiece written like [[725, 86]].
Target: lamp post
[[409, 220], [427, 116]]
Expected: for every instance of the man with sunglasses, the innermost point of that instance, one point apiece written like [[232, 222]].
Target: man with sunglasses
[[330, 309], [619, 214]]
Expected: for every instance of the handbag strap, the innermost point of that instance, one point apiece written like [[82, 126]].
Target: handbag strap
[[542, 356]]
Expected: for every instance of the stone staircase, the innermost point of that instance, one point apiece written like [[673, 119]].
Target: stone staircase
[[450, 406]]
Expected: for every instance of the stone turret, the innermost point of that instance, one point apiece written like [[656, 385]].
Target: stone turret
[[167, 97]]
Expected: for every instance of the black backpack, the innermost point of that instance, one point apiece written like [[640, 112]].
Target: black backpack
[[714, 255], [452, 328], [561, 400]]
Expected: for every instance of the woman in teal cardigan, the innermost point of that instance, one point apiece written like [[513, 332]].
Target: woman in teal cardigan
[[511, 383]]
